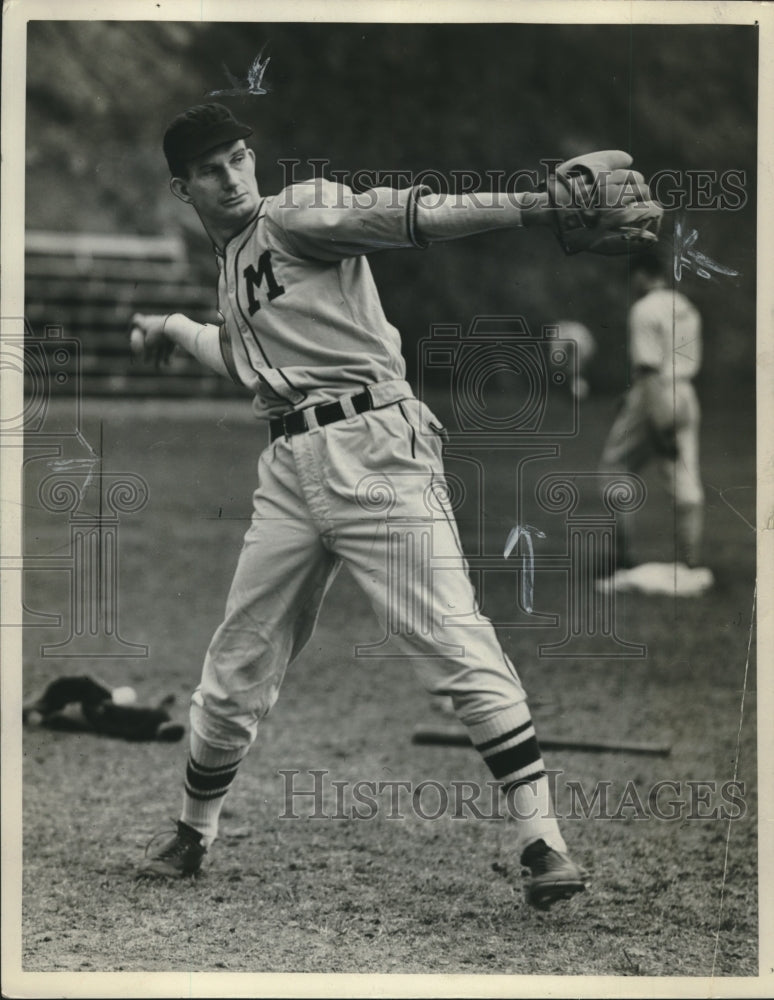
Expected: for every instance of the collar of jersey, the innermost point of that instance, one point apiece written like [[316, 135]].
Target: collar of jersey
[[250, 221]]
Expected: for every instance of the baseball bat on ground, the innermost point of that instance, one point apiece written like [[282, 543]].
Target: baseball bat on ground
[[453, 736]]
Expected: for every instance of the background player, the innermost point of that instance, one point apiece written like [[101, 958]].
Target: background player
[[585, 349], [660, 414], [304, 329]]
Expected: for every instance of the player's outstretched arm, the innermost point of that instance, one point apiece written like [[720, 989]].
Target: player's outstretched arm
[[452, 216], [153, 339], [593, 202]]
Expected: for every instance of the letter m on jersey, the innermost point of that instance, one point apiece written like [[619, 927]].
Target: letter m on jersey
[[254, 280]]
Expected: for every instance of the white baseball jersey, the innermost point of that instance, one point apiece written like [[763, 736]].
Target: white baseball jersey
[[665, 334], [303, 322]]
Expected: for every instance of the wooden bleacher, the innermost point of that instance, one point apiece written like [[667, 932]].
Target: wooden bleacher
[[89, 284]]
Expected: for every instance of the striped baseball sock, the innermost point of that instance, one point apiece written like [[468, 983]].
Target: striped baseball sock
[[508, 744], [208, 777]]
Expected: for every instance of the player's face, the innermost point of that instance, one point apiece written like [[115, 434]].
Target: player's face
[[222, 187]]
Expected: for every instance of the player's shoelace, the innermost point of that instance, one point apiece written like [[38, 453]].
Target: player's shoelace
[[541, 864]]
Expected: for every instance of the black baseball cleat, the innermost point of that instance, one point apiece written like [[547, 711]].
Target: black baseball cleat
[[551, 876], [177, 857]]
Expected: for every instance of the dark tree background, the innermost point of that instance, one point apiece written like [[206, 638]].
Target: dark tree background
[[412, 97]]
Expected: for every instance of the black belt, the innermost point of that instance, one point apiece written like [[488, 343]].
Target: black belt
[[294, 422]]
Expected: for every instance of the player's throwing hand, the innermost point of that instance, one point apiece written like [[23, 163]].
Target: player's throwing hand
[[147, 340]]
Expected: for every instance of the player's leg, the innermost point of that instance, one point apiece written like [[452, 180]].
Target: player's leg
[[627, 449], [280, 580], [682, 476], [417, 583], [411, 566], [690, 531]]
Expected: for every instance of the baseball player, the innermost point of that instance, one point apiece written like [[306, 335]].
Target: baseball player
[[353, 472], [585, 349], [659, 418]]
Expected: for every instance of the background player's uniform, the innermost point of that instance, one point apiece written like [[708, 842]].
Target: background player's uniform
[[303, 325], [660, 415], [585, 349]]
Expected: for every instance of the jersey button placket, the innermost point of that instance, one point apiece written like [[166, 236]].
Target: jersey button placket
[[230, 283]]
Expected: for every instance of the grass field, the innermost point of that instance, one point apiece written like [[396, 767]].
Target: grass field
[[668, 898]]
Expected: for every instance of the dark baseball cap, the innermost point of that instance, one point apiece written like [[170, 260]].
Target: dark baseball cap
[[198, 130]]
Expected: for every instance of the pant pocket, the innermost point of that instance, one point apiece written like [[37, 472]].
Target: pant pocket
[[440, 430]]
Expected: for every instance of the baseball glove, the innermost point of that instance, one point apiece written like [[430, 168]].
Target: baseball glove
[[597, 204]]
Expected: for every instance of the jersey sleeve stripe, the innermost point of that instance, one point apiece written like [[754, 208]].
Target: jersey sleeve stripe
[[411, 216], [228, 354]]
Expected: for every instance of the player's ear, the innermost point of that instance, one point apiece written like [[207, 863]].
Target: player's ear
[[179, 189]]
